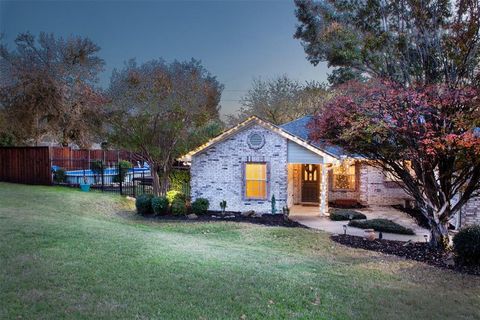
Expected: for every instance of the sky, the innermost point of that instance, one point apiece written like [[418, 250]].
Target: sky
[[236, 41]]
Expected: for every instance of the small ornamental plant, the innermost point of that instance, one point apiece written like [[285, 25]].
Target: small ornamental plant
[[223, 206]]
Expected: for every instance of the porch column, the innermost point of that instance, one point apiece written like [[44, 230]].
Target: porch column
[[324, 191]]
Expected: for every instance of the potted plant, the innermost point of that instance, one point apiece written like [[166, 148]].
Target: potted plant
[[85, 186]]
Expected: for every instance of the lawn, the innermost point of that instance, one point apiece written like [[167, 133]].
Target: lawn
[[68, 254]]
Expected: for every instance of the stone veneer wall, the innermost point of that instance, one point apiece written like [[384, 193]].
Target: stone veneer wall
[[217, 172], [471, 212]]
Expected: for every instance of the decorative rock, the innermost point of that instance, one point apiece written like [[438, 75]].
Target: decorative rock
[[229, 216], [192, 216], [258, 215], [370, 234], [248, 213]]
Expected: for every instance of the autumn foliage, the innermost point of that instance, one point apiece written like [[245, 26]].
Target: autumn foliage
[[425, 135]]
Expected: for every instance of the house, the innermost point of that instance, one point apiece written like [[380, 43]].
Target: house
[[255, 160]]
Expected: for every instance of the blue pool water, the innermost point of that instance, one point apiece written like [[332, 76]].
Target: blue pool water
[[77, 176]]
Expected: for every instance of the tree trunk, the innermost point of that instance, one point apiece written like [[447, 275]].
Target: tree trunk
[[155, 180], [439, 235]]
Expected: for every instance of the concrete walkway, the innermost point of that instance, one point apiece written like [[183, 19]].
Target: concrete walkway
[[309, 216]]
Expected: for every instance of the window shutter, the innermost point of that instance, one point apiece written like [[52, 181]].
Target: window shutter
[[267, 164], [244, 181]]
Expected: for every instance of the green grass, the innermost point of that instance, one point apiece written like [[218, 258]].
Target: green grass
[[68, 254], [383, 225]]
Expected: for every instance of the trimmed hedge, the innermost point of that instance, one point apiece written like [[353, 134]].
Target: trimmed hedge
[[144, 204], [383, 225], [200, 206], [466, 245], [345, 214], [179, 206], [160, 205]]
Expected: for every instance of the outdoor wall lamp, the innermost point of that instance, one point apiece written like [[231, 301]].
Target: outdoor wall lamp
[[344, 229]]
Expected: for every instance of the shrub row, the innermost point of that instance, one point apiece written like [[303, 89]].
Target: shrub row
[[345, 214], [383, 225], [174, 201], [466, 245]]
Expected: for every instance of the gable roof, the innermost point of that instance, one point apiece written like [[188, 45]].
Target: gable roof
[[330, 157], [299, 128]]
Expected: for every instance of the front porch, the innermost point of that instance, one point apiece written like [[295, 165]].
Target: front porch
[[308, 187]]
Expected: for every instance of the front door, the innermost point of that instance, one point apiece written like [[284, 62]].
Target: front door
[[310, 185]]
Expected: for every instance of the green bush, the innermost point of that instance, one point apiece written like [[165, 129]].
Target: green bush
[[59, 176], [345, 214], [175, 194], [383, 225], [144, 204], [179, 206], [466, 245], [123, 166], [160, 205], [179, 179], [200, 206]]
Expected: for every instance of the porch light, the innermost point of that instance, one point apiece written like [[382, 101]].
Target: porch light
[[426, 237], [344, 229]]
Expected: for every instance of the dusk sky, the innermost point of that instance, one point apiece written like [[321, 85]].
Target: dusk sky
[[236, 41]]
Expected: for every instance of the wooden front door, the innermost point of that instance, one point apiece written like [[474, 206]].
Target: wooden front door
[[310, 183]]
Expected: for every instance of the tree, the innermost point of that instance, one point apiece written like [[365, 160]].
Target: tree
[[423, 135], [421, 42], [342, 75], [419, 123], [162, 111], [48, 88], [279, 100]]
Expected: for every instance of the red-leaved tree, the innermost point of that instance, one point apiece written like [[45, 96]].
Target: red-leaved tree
[[425, 135]]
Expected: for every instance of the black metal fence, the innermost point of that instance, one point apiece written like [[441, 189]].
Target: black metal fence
[[115, 177]]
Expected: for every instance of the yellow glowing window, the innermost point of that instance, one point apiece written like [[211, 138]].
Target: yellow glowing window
[[344, 177], [256, 180]]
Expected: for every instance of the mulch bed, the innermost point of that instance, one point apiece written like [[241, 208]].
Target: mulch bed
[[266, 219], [418, 251]]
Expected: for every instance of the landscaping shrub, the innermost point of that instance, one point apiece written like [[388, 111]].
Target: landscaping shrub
[[200, 206], [345, 214], [144, 204], [160, 205], [123, 167], [59, 176], [179, 206], [175, 194], [383, 225], [466, 245], [179, 179]]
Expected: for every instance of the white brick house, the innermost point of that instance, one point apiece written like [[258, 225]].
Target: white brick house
[[255, 160]]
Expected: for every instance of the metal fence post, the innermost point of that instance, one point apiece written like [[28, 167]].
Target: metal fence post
[[101, 168], [120, 177]]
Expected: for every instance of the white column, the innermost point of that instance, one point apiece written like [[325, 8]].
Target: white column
[[324, 191]]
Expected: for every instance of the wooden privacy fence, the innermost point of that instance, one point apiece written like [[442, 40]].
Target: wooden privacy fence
[[33, 165], [28, 165]]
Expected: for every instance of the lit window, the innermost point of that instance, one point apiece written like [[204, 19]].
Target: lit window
[[256, 180], [344, 177]]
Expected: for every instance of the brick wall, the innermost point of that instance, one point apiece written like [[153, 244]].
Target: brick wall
[[471, 212], [217, 172], [372, 188]]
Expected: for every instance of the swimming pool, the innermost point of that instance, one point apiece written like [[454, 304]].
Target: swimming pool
[[76, 176]]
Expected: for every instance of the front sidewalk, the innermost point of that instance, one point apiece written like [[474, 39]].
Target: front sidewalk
[[310, 217]]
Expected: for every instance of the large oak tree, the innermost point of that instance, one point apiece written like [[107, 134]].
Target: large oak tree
[[48, 89], [163, 110]]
